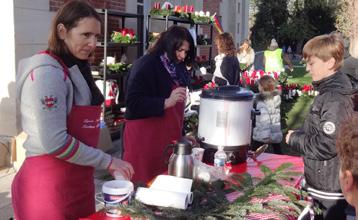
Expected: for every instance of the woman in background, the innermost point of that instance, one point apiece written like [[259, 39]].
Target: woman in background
[[246, 55], [227, 67], [274, 59], [155, 99]]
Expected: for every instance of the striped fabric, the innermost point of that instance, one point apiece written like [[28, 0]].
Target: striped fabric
[[315, 193], [69, 150]]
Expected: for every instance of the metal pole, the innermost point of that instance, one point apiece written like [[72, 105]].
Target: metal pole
[[105, 59]]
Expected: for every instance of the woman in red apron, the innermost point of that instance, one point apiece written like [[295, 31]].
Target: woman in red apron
[[155, 98], [60, 113]]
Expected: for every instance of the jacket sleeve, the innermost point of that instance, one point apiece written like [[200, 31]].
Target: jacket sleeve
[[228, 71], [44, 110], [261, 132], [320, 145], [141, 98], [252, 56]]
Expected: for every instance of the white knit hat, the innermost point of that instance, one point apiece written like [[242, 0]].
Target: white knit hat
[[273, 44]]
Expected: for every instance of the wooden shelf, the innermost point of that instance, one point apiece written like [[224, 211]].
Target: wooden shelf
[[177, 20], [171, 18], [109, 76], [118, 13], [117, 106], [114, 45], [204, 45]]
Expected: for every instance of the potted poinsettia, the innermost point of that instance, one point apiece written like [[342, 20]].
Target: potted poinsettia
[[124, 35]]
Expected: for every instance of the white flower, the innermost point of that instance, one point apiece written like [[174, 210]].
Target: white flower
[[110, 60]]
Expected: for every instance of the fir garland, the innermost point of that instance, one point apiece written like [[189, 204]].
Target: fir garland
[[210, 201]]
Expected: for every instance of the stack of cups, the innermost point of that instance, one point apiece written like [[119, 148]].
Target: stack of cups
[[116, 193]]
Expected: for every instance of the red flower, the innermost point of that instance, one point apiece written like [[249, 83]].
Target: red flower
[[261, 73], [252, 83], [124, 32], [275, 75]]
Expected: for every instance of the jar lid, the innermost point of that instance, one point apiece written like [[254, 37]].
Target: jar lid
[[117, 187], [231, 93]]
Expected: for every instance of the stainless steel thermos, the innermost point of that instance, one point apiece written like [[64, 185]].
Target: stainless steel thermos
[[181, 162]]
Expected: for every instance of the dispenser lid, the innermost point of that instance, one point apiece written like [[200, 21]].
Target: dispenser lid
[[231, 93], [183, 147]]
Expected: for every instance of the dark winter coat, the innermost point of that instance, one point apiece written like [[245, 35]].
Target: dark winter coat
[[148, 85], [316, 141], [227, 70]]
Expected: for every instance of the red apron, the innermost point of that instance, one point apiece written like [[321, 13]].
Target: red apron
[[49, 188], [146, 139]]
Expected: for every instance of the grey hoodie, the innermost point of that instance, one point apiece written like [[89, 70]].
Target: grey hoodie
[[41, 77]]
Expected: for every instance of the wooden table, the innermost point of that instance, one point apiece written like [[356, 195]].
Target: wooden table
[[252, 167]]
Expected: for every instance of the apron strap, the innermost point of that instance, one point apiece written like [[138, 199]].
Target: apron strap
[[59, 60]]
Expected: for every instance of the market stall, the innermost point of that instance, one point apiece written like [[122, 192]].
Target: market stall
[[254, 169]]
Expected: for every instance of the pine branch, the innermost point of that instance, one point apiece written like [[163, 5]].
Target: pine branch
[[210, 199]]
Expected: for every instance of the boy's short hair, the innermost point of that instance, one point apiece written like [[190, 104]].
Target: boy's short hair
[[325, 47], [347, 146]]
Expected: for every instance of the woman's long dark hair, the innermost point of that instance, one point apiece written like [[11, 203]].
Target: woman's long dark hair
[[69, 15], [171, 40]]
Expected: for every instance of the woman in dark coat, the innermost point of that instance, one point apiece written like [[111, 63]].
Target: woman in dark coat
[[227, 67], [155, 99]]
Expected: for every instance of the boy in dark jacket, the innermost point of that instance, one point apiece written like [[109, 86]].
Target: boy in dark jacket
[[316, 140]]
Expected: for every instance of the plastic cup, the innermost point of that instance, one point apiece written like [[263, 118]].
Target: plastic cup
[[198, 153]]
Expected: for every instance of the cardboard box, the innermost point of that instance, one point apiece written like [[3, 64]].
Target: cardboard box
[[7, 151]]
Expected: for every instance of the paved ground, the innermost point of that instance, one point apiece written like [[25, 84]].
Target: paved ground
[[7, 175]]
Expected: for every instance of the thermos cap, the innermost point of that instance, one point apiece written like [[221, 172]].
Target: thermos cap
[[183, 147]]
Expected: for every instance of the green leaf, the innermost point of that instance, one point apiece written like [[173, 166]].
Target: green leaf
[[265, 170], [283, 166]]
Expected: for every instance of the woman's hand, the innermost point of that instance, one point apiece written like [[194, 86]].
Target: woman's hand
[[177, 95], [123, 167]]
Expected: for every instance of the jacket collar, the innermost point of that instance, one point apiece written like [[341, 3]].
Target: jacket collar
[[337, 81]]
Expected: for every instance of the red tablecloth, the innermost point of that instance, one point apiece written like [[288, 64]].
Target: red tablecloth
[[272, 161], [252, 167]]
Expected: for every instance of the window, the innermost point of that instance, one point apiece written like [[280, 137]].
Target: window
[[238, 8]]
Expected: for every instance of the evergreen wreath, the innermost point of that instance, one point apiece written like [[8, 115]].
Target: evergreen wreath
[[210, 200]]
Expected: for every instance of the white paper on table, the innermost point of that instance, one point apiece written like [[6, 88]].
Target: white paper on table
[[162, 198], [173, 184]]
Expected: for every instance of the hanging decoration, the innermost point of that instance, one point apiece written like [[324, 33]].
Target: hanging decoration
[[217, 24]]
